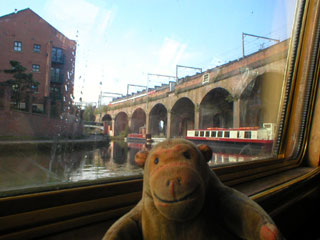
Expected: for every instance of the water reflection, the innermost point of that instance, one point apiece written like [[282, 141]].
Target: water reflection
[[113, 161], [225, 158], [26, 169]]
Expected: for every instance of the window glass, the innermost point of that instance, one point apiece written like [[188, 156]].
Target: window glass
[[116, 73], [36, 47], [17, 46], [56, 75], [57, 55], [35, 67]]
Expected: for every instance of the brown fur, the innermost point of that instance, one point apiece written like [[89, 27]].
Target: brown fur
[[184, 199]]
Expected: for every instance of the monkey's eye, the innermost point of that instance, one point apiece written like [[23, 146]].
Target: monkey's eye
[[187, 155], [156, 160]]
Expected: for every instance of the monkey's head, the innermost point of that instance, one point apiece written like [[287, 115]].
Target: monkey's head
[[175, 177]]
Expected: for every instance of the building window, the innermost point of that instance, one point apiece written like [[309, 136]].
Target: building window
[[35, 88], [57, 55], [17, 47], [55, 93], [35, 68], [56, 75], [230, 99], [36, 48]]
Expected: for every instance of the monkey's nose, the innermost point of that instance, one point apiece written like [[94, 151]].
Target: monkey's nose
[[173, 184], [174, 181]]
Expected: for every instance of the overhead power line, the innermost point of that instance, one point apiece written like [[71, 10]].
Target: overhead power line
[[256, 36]]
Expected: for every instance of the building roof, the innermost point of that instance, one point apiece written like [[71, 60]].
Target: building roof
[[16, 12], [29, 10]]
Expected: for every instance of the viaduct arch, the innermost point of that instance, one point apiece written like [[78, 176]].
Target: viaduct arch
[[239, 94]]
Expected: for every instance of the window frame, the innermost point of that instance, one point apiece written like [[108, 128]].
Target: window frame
[[35, 88], [100, 201], [36, 48], [302, 62], [17, 46], [56, 92], [55, 74], [35, 68], [57, 55]]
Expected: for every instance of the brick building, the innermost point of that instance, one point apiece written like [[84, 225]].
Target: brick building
[[45, 52]]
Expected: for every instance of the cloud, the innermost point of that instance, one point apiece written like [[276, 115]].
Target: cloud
[[71, 14], [105, 19], [102, 57], [89, 25], [79, 19], [170, 54], [214, 62]]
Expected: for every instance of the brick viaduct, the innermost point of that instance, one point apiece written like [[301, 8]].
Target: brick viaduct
[[244, 92]]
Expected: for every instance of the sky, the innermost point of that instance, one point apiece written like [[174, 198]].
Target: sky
[[121, 42]]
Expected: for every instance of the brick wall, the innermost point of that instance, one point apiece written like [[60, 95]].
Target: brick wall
[[29, 28], [24, 124]]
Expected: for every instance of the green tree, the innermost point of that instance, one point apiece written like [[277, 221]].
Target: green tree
[[101, 109], [89, 113], [21, 82]]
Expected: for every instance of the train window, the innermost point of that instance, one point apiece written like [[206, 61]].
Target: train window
[[125, 75], [126, 78]]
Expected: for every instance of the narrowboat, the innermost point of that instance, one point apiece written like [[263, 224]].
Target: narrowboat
[[137, 137], [243, 140]]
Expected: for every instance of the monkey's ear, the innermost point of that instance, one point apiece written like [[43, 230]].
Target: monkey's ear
[[141, 158], [206, 151]]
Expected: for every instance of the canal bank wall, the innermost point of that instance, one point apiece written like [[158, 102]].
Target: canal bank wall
[[56, 144], [17, 123]]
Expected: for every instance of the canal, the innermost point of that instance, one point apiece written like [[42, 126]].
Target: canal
[[20, 170], [24, 171]]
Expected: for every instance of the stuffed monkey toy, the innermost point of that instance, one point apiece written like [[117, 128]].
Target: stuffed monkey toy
[[184, 199]]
